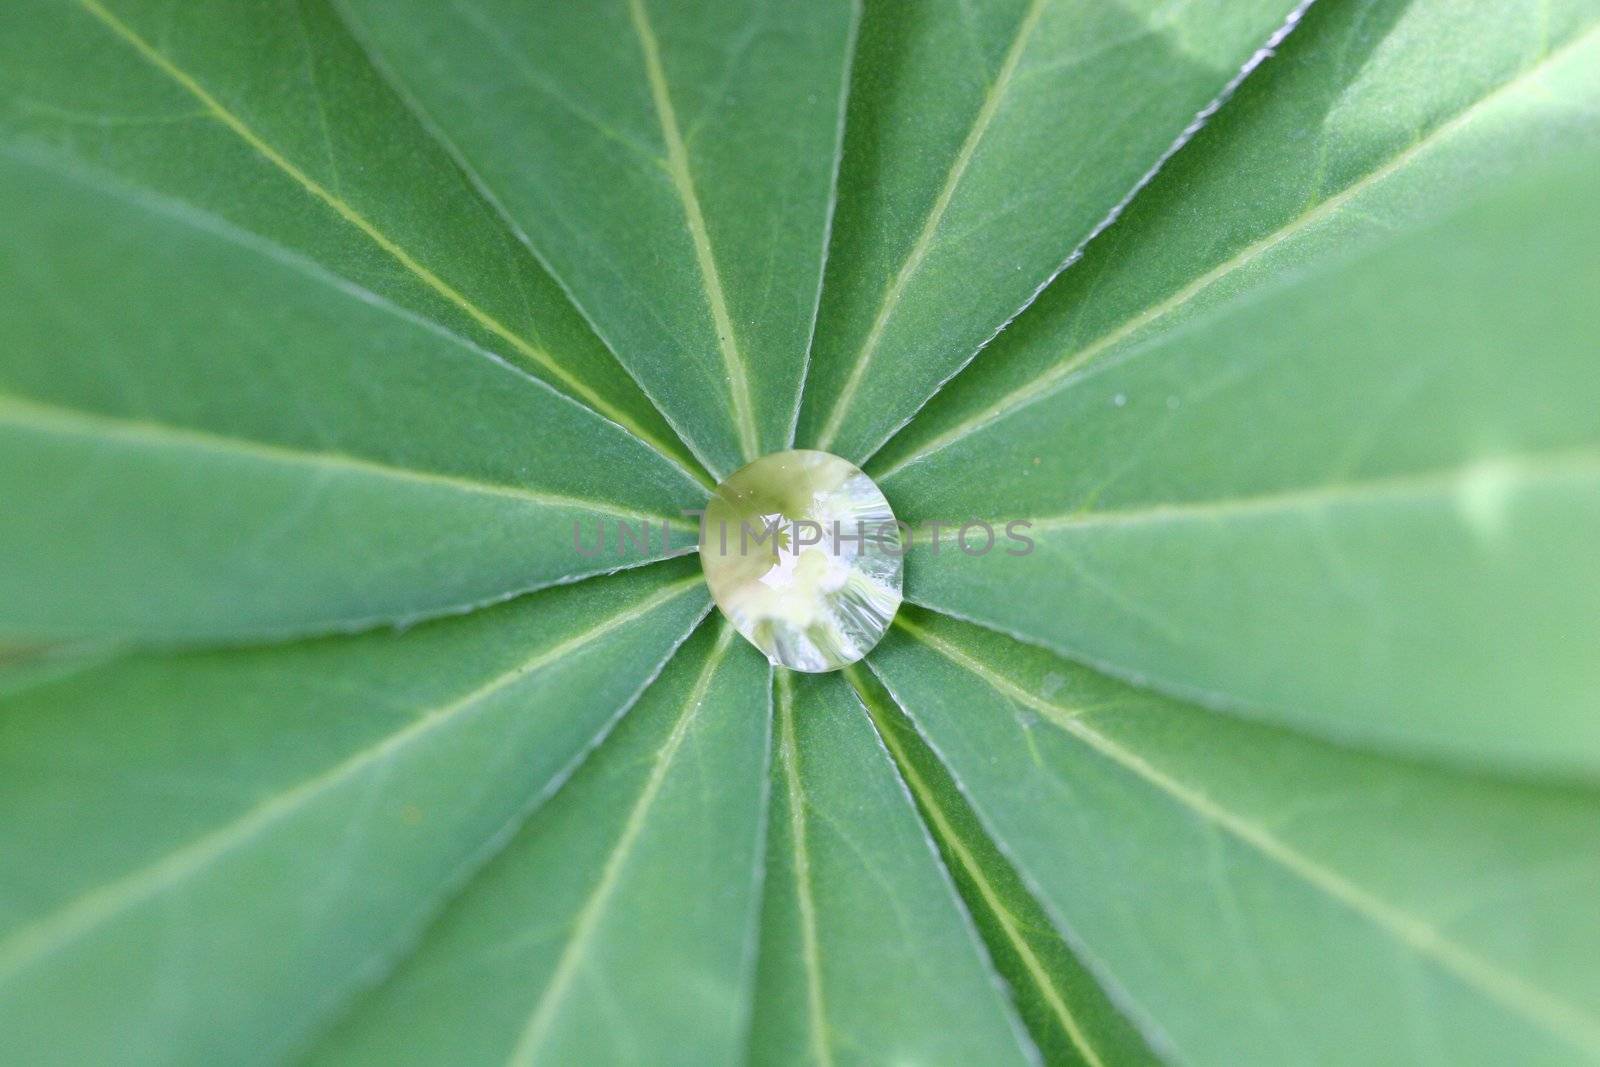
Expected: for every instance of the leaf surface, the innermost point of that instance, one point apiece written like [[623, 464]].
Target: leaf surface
[[1373, 116], [182, 465], [867, 954], [637, 146], [1282, 745], [645, 869], [1066, 1011], [271, 827], [268, 116], [1335, 907], [986, 143], [1350, 503]]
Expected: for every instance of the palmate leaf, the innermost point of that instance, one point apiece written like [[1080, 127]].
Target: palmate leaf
[[671, 105], [272, 827], [301, 318]]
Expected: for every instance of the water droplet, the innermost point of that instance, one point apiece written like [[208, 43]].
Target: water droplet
[[803, 556], [1119, 400]]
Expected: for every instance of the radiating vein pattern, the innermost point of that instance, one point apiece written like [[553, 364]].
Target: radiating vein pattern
[[1231, 832], [985, 146], [313, 459], [313, 781], [698, 255], [361, 362], [654, 847], [467, 274], [1363, 564]]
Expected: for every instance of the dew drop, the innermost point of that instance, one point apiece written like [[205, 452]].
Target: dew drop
[[803, 556]]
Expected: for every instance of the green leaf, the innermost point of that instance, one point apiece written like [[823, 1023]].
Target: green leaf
[[267, 116], [271, 828], [867, 955], [23, 668], [331, 315], [646, 872], [183, 465], [986, 144], [1070, 1017], [639, 148], [1334, 907], [1335, 505], [1357, 127]]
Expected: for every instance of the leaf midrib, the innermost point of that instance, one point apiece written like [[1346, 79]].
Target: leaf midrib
[[214, 107], [1062, 373], [587, 921], [32, 943], [920, 248], [1568, 1021], [705, 256], [810, 953], [1008, 921], [51, 419], [1496, 474]]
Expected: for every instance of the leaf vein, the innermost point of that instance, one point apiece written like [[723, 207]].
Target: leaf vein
[[1063, 371], [1569, 1021], [584, 927], [930, 226], [45, 418], [811, 952], [104, 903], [1474, 487], [163, 63], [705, 256]]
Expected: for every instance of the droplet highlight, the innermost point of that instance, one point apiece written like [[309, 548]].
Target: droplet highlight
[[803, 555]]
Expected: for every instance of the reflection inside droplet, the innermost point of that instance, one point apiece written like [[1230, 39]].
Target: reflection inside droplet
[[804, 557]]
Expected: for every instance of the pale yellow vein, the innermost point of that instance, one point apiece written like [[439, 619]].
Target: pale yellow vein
[[1047, 381], [1010, 925], [810, 950], [1566, 1020], [349, 214], [1476, 488], [44, 418], [705, 257], [930, 226], [587, 922], [100, 905]]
